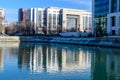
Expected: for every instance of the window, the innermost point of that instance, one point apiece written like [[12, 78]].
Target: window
[[113, 21], [113, 6], [54, 20], [50, 20], [113, 32]]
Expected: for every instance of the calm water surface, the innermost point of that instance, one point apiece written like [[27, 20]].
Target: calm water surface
[[42, 61]]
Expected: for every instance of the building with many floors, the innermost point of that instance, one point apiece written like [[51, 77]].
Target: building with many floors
[[55, 20], [23, 15], [1, 20], [106, 17], [100, 9], [114, 18]]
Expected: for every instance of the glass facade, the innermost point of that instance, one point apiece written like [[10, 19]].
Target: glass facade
[[113, 6], [101, 9], [119, 6]]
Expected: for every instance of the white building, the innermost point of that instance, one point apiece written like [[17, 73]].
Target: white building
[[113, 24], [2, 20], [55, 20]]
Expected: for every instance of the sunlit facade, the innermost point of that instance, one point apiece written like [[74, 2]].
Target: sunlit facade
[[114, 18], [2, 20], [55, 20], [76, 20], [106, 17]]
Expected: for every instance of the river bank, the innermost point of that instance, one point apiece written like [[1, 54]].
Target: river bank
[[102, 42]]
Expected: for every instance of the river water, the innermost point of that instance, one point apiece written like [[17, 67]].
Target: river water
[[42, 61]]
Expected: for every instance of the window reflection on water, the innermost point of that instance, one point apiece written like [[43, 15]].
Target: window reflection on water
[[94, 63]]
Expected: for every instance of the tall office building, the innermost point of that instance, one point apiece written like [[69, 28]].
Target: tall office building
[[114, 17], [100, 9], [55, 20], [106, 17], [1, 20]]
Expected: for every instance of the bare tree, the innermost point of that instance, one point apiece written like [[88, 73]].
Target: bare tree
[[26, 28], [59, 29], [1, 28], [11, 29], [44, 29]]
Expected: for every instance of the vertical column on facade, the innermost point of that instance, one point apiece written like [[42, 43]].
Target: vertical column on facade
[[90, 24], [42, 18], [93, 21], [117, 25], [87, 23], [109, 27], [83, 22], [35, 12], [110, 6], [56, 22], [31, 14], [51, 27], [64, 19], [47, 26], [118, 5]]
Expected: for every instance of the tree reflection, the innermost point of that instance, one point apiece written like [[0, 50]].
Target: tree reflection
[[105, 64]]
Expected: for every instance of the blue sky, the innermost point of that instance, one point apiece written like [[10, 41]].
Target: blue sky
[[11, 6]]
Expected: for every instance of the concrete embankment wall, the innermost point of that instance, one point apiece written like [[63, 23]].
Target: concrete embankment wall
[[9, 44], [9, 39], [103, 42]]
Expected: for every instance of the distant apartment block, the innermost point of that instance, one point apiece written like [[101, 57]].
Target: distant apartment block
[[2, 20], [55, 20]]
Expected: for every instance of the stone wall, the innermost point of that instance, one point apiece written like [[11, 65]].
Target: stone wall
[[9, 38]]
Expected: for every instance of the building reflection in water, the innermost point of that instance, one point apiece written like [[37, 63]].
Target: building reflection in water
[[102, 63], [52, 58], [1, 58], [8, 49], [105, 64]]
